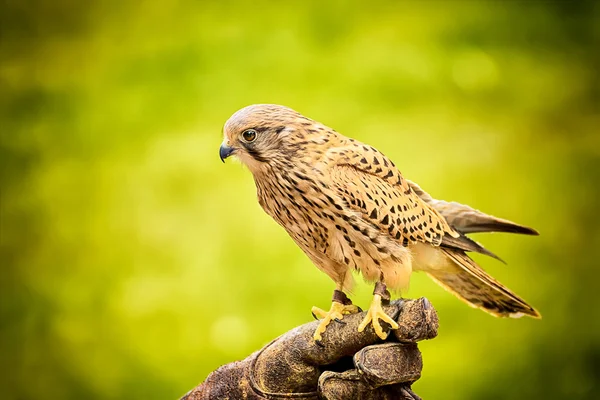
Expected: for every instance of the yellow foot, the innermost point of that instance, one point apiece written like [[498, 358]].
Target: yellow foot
[[335, 313], [375, 314]]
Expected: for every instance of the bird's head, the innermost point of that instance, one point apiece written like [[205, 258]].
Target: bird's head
[[268, 134]]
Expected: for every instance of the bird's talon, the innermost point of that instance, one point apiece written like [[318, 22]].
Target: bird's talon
[[374, 314], [335, 313], [318, 313]]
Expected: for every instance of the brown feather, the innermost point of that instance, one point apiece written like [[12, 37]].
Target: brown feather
[[470, 283], [467, 244], [469, 220]]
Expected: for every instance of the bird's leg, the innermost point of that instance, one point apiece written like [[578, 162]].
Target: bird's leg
[[340, 305], [376, 313]]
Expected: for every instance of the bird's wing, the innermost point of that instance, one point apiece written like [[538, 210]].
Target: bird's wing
[[370, 184], [468, 220]]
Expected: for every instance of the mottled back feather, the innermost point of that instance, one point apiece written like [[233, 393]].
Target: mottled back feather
[[372, 185]]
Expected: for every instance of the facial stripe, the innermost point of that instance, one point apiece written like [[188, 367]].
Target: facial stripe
[[253, 152]]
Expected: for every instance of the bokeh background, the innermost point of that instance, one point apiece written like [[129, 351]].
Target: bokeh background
[[133, 262]]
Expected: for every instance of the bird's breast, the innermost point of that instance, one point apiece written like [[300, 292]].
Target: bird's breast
[[297, 202]]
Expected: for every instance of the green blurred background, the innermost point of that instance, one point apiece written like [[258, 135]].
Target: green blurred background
[[133, 262]]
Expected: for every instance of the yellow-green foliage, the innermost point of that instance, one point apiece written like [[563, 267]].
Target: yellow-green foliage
[[134, 262]]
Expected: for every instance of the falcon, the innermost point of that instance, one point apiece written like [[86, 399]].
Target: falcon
[[349, 208]]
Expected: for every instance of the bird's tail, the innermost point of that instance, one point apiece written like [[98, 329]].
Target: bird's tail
[[470, 283]]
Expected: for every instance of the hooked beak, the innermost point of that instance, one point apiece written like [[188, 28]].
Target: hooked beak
[[225, 152]]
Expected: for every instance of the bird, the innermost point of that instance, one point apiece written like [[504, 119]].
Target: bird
[[348, 207]]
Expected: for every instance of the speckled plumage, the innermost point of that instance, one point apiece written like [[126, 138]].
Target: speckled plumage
[[349, 208]]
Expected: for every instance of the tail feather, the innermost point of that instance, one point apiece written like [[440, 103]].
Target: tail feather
[[470, 283]]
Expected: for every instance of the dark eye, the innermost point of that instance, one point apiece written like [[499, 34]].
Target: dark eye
[[249, 135]]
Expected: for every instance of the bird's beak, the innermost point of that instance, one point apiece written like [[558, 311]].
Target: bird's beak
[[225, 151]]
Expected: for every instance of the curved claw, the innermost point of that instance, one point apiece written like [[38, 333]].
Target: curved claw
[[318, 313], [336, 313], [374, 314]]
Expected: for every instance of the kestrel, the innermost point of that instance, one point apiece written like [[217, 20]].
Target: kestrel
[[350, 209]]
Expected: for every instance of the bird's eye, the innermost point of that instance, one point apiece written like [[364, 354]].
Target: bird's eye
[[249, 135]]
